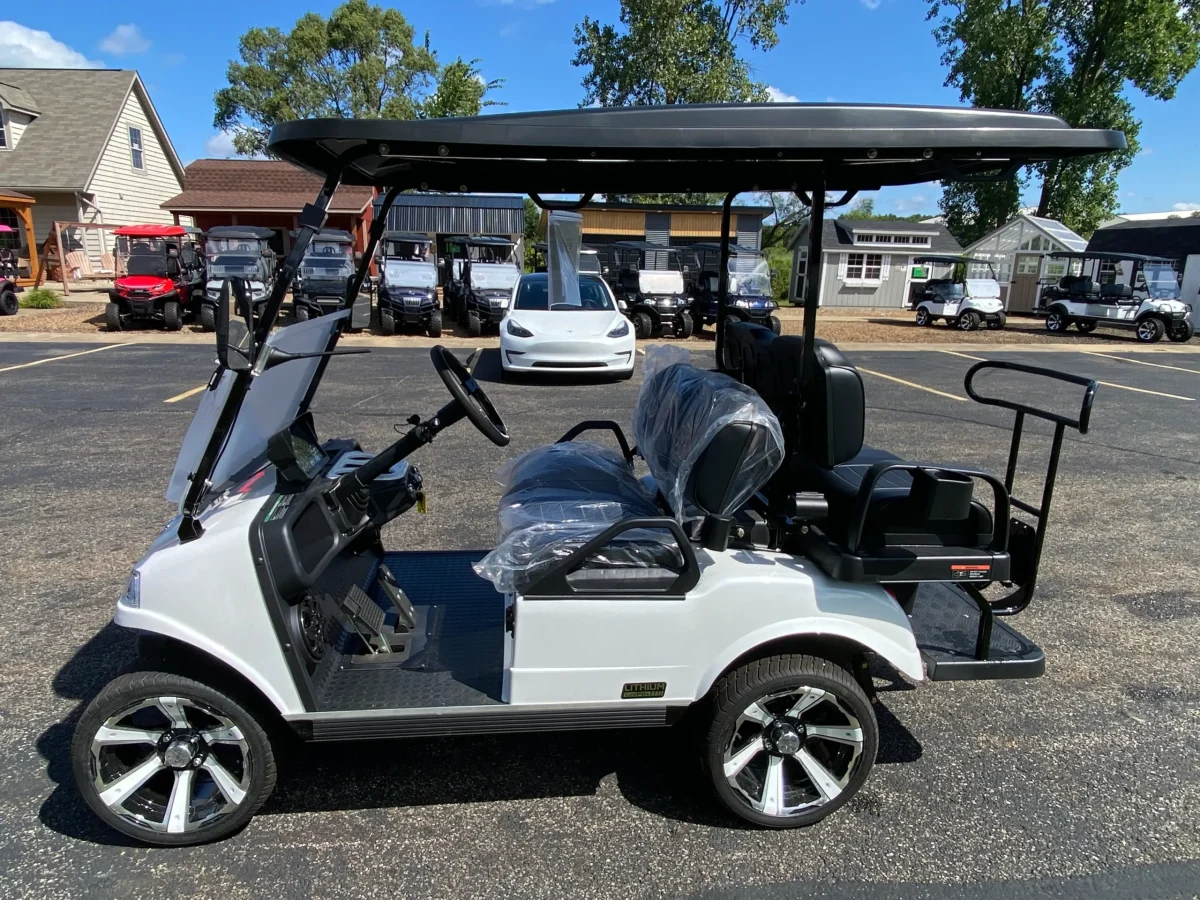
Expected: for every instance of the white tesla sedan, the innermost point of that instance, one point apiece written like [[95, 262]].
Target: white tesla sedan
[[589, 336]]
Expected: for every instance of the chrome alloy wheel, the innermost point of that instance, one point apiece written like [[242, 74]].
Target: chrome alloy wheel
[[170, 765], [792, 751]]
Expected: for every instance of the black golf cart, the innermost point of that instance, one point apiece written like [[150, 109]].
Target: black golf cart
[[746, 591], [8, 282], [589, 260], [1117, 290], [237, 251], [748, 287], [649, 280], [408, 283], [326, 275], [481, 273]]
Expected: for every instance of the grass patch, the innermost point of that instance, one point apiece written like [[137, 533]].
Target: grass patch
[[40, 298]]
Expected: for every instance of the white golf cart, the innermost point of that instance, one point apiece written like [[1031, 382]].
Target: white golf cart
[[236, 251], [738, 591], [1117, 290], [962, 298]]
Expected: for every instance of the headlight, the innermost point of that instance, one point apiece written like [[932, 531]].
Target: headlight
[[133, 591], [620, 331], [741, 302], [516, 330]]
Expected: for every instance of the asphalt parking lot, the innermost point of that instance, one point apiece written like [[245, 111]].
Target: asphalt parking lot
[[1084, 783]]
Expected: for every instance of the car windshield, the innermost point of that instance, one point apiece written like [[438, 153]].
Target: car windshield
[[948, 290], [749, 276], [1161, 281], [144, 256], [328, 259], [534, 294]]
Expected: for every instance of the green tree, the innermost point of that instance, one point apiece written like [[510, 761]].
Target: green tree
[[361, 62], [1075, 59]]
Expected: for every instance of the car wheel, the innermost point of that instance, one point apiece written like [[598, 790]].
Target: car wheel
[[172, 316], [435, 323], [474, 324], [923, 317], [995, 324], [167, 760], [208, 317], [1150, 330], [1181, 332], [792, 739], [387, 322], [8, 303], [774, 324], [112, 317], [301, 313], [1057, 322], [1084, 326], [683, 326], [968, 321], [643, 325]]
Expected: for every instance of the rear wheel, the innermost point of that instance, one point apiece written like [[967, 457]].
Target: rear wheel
[[774, 324], [1181, 331], [643, 325], [792, 739], [387, 321], [1084, 326], [435, 323], [112, 317], [208, 317], [923, 317], [300, 313], [8, 303], [1057, 322], [968, 321], [474, 324], [683, 325], [167, 760], [1150, 330]]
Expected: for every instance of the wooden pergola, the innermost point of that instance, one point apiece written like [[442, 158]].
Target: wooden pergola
[[22, 204]]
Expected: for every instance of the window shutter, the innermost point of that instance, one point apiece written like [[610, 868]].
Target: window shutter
[[886, 267], [842, 267]]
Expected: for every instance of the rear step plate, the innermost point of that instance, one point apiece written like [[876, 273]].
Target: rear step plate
[[945, 622]]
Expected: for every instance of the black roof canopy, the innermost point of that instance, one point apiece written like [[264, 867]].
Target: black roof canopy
[[947, 259], [715, 247], [240, 231], [667, 149], [1100, 254], [405, 237], [481, 241], [1174, 238]]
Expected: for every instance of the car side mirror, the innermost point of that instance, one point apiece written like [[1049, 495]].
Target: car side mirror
[[235, 334]]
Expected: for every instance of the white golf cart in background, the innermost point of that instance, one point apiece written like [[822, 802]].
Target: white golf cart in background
[[1117, 290], [966, 297], [236, 251], [745, 590]]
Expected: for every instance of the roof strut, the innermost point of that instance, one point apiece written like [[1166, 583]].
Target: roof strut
[[723, 280], [812, 285], [378, 227], [561, 205]]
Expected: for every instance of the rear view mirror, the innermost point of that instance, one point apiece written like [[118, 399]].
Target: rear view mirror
[[235, 336]]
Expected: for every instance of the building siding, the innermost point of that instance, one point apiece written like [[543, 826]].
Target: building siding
[[50, 208], [16, 125], [128, 196], [614, 221], [456, 220], [891, 293]]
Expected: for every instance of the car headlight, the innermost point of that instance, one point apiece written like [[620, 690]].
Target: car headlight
[[620, 331], [741, 302], [133, 591], [516, 330]]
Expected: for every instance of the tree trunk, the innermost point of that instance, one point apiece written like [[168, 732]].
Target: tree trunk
[[1049, 183]]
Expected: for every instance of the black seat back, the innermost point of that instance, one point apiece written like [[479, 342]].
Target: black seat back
[[1116, 292]]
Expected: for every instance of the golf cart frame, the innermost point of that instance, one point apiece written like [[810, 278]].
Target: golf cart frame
[[8, 279], [704, 284], [477, 308], [236, 251], [321, 293], [966, 312], [161, 280], [408, 297], [651, 308], [274, 595], [1085, 301]]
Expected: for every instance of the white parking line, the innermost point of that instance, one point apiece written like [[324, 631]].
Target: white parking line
[[38, 362], [185, 394], [1126, 387], [963, 355], [1142, 362], [912, 384], [473, 360]]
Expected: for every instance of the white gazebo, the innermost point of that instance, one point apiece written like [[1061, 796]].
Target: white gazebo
[[1017, 251]]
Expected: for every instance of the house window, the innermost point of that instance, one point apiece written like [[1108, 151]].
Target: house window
[[4, 144], [10, 240], [864, 266], [1028, 265], [135, 148]]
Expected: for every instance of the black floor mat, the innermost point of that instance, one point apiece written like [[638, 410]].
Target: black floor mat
[[945, 622]]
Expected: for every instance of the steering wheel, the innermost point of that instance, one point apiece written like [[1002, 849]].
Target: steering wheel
[[470, 396]]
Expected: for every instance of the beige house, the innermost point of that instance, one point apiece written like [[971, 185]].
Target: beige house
[[87, 145]]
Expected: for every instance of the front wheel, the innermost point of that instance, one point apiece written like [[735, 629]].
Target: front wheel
[[774, 324], [112, 317], [643, 325], [301, 313], [172, 316], [1150, 330], [8, 303], [1181, 332], [792, 739], [923, 317], [1057, 322], [435, 323], [387, 322], [998, 322], [208, 317], [167, 760], [474, 324], [968, 321], [683, 326]]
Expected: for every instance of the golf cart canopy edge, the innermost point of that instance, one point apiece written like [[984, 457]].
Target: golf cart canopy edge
[[1105, 254], [241, 231], [150, 231], [949, 259]]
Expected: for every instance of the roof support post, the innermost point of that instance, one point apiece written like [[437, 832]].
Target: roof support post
[[723, 280], [378, 226], [812, 285]]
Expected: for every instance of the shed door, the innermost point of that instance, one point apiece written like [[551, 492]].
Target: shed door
[[1022, 295], [658, 231]]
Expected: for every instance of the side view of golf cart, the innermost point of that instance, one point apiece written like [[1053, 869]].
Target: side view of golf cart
[[742, 593], [408, 281], [8, 278], [1117, 290], [325, 276], [749, 286], [236, 251], [649, 280], [160, 277], [481, 273], [963, 300]]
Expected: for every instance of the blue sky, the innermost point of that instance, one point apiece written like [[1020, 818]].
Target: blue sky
[[845, 50]]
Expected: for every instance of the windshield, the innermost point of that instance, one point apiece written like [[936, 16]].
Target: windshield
[[493, 253], [494, 276], [749, 276], [144, 256], [328, 259], [534, 294], [410, 250], [948, 290], [589, 262], [404, 273], [1161, 281]]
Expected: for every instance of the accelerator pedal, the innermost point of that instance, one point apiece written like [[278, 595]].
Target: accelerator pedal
[[385, 642]]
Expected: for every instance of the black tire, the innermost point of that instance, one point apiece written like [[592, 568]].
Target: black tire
[[683, 326], [1085, 326], [247, 759], [772, 681], [387, 322], [8, 303], [300, 313], [1057, 321], [968, 321], [995, 324], [774, 324], [435, 323], [1181, 332], [208, 317], [172, 315], [474, 324], [1150, 330], [112, 317], [643, 325], [923, 317]]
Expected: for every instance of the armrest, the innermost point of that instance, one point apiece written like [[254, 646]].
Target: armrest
[[554, 580], [600, 425], [862, 501]]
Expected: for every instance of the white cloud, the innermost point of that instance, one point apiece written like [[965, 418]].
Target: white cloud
[[872, 4], [125, 39], [778, 96], [22, 47], [1185, 207], [220, 146]]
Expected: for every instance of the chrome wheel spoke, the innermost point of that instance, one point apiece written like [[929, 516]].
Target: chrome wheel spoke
[[180, 803], [739, 760], [117, 792], [108, 735], [822, 779], [809, 697], [174, 710], [228, 785], [226, 734], [771, 803], [852, 736], [755, 713]]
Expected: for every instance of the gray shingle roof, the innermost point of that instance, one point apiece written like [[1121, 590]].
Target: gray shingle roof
[[77, 109], [838, 233], [15, 98]]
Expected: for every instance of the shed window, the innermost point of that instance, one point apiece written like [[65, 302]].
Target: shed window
[[135, 148], [1028, 265], [864, 266]]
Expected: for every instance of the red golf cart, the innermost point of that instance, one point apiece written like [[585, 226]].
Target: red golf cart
[[161, 277]]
